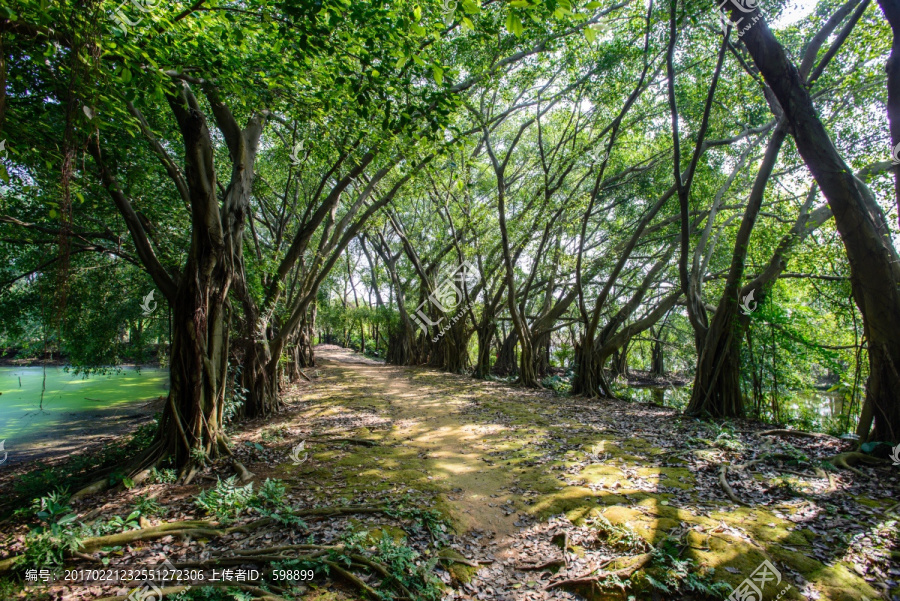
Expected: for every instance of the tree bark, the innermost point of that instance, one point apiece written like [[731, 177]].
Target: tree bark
[[891, 10]]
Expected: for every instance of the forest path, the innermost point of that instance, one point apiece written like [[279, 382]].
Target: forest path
[[438, 427], [526, 473]]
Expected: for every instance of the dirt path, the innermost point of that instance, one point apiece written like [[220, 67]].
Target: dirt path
[[526, 474], [425, 418]]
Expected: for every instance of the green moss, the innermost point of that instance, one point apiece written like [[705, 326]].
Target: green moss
[[461, 572]]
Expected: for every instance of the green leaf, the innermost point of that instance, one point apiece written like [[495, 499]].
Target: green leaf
[[514, 25], [438, 73], [68, 519], [401, 62], [133, 515], [417, 13], [593, 5], [520, 3], [590, 33], [53, 213]]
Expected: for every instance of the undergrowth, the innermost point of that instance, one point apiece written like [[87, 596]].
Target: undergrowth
[[228, 500]]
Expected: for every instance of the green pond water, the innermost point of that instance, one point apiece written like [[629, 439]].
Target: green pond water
[[68, 399]]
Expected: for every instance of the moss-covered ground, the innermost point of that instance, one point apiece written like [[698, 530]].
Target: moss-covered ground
[[502, 459]]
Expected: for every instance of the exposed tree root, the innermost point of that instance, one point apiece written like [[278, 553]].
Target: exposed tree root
[[169, 590], [258, 593], [138, 471], [352, 578], [357, 441], [206, 529], [723, 481], [627, 572], [796, 433], [846, 461]]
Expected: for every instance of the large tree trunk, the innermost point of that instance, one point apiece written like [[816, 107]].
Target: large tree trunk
[[485, 334], [874, 263], [542, 355], [261, 389], [191, 420], [590, 379], [191, 425], [657, 356], [507, 364]]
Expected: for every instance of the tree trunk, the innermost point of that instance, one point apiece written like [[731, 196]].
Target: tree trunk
[[542, 355], [590, 379], [657, 359], [485, 337], [506, 364], [191, 420], [891, 9], [261, 387]]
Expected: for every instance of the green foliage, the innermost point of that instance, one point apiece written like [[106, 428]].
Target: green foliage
[[47, 544], [617, 536], [671, 574], [559, 384], [407, 569], [162, 476], [228, 501], [211, 593], [148, 506]]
